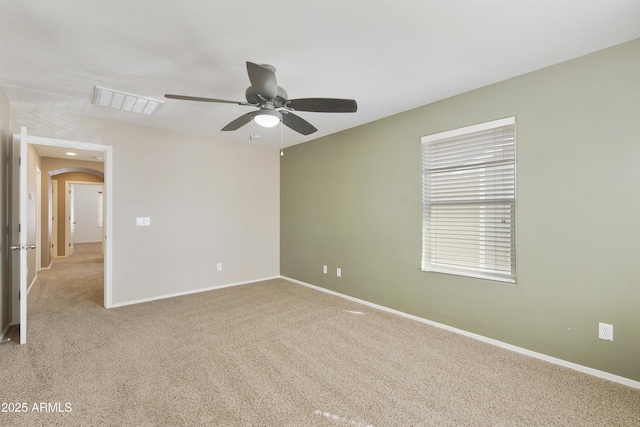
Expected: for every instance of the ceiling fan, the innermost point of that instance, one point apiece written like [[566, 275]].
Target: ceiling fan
[[273, 103]]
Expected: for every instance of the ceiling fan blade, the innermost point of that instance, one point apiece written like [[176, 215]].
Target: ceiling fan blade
[[323, 105], [263, 80], [239, 122], [198, 98], [297, 123]]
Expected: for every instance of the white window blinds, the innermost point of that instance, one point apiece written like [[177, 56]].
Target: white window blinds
[[469, 194]]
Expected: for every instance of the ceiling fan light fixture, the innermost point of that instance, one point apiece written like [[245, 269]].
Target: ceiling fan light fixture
[[267, 118]]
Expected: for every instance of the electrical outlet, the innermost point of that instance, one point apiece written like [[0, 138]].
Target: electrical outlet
[[219, 266], [324, 269], [605, 331], [339, 272]]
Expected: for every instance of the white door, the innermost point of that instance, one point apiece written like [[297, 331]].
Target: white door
[[72, 219], [54, 218], [87, 212], [19, 243]]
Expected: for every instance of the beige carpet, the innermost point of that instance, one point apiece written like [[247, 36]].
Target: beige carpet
[[274, 354]]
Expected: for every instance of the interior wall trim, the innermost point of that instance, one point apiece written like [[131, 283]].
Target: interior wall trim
[[4, 332], [33, 282], [584, 369], [60, 171], [195, 291]]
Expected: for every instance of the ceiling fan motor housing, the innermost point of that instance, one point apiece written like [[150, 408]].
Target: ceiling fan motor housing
[[254, 97]]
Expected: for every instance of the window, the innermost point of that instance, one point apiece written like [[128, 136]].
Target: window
[[469, 201]]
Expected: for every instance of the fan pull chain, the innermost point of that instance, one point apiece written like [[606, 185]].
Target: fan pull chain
[[281, 138]]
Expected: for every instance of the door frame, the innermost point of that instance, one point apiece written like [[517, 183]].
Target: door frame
[[69, 219], [108, 201], [38, 222], [53, 218]]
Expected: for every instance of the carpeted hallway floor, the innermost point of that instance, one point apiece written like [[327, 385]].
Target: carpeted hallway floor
[[273, 354]]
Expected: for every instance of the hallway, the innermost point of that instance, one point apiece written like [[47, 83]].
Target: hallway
[[73, 282]]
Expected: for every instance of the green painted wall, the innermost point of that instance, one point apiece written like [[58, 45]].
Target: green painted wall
[[353, 200]]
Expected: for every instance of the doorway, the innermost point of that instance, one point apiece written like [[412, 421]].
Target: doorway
[[47, 146]]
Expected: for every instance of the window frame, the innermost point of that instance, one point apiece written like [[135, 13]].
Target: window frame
[[430, 261]]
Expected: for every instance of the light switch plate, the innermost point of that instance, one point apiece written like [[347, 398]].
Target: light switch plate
[[143, 222]]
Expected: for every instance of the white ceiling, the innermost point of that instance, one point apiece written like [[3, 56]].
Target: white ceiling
[[63, 153], [389, 55]]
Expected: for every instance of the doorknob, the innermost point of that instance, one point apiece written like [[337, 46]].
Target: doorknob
[[20, 247]]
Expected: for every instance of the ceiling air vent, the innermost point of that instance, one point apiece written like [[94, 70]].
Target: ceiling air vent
[[125, 101]]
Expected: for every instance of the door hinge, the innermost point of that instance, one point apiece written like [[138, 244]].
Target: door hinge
[[19, 229], [19, 294], [19, 161]]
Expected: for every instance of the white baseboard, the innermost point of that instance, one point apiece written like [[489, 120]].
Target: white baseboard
[[32, 283], [541, 356], [195, 291], [4, 332]]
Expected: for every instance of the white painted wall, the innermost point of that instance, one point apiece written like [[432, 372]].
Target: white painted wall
[[210, 201]]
